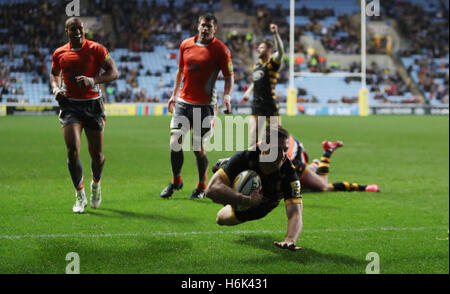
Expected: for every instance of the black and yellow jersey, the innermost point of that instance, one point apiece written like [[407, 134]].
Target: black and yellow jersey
[[276, 186], [283, 184], [265, 76]]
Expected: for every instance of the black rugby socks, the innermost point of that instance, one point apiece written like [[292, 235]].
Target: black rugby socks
[[76, 172]]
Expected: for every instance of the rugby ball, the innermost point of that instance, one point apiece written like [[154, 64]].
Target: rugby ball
[[246, 182]]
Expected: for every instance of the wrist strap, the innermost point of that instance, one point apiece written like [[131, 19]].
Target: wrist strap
[[91, 81]]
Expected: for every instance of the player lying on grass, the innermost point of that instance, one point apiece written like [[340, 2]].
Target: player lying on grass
[[278, 180], [315, 176]]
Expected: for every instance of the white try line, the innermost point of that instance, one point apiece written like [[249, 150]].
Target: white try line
[[141, 234]]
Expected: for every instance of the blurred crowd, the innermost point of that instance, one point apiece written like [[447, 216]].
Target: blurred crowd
[[142, 27], [429, 37]]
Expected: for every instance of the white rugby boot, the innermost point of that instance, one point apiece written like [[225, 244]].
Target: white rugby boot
[[96, 195], [80, 203]]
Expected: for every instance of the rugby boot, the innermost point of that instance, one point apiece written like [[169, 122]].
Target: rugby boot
[[197, 194], [327, 145], [168, 191], [80, 203], [372, 188], [96, 195]]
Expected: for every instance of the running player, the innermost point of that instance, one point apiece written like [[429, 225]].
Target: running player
[[202, 57], [279, 180], [315, 176], [265, 75], [74, 79]]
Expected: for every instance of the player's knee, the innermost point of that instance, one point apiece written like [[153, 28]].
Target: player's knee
[[225, 217], [219, 220], [222, 221], [198, 146], [201, 153], [176, 143], [98, 157], [73, 153]]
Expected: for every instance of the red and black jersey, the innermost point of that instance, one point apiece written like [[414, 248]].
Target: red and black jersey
[[87, 61], [201, 65]]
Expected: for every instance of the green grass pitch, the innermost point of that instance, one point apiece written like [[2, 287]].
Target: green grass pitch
[[135, 231]]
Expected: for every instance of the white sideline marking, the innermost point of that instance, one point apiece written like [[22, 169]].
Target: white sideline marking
[[51, 236]]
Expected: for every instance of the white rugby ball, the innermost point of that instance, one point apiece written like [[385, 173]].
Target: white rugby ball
[[246, 182]]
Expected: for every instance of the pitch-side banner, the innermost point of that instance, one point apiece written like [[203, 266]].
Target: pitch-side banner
[[353, 109], [158, 109], [44, 109], [110, 109], [135, 109]]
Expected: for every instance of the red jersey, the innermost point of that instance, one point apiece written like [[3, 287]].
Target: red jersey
[[200, 65], [84, 62]]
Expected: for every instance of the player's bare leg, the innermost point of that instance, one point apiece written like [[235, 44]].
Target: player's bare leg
[[311, 180], [226, 217], [95, 145], [315, 182], [72, 138]]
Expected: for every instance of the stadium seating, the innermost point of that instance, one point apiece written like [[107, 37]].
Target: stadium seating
[[155, 70], [340, 7]]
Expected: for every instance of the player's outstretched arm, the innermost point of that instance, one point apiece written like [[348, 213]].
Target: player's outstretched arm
[[295, 225], [219, 192], [278, 43]]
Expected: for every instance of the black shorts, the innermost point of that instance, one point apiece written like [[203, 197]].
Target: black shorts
[[253, 213], [301, 159], [90, 113], [265, 108], [200, 118], [300, 167]]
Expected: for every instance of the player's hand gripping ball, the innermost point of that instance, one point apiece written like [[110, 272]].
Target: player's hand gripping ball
[[246, 182]]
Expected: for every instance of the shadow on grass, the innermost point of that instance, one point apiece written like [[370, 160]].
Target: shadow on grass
[[203, 201], [145, 216], [130, 255], [304, 256]]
